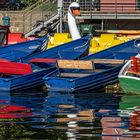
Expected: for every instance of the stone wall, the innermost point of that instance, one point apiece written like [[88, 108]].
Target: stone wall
[[23, 22]]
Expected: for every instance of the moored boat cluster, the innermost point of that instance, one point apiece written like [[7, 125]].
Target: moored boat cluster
[[69, 67]]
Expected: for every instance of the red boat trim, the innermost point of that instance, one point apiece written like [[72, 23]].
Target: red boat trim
[[43, 60]]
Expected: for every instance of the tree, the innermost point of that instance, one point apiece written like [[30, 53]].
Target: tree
[[27, 3]]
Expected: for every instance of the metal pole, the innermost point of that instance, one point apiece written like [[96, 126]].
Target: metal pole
[[23, 23], [61, 20], [60, 10], [102, 25]]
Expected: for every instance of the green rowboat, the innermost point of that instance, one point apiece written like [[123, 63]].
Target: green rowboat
[[129, 76]]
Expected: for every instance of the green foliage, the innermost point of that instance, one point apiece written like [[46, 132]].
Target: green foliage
[[49, 7], [27, 3]]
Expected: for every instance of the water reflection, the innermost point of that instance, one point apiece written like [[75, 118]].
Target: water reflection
[[39, 115], [80, 114]]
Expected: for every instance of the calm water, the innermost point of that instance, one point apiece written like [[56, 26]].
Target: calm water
[[63, 116]]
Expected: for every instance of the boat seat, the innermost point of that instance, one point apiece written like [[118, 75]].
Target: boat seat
[[109, 61], [77, 68], [65, 74], [61, 38], [75, 64], [105, 39], [133, 72]]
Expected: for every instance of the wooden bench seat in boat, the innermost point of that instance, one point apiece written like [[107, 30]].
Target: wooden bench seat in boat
[[87, 66], [133, 72], [75, 64], [73, 74], [109, 61]]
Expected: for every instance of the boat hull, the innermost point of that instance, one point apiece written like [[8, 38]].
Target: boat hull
[[130, 85], [16, 52], [72, 50], [94, 81], [24, 81]]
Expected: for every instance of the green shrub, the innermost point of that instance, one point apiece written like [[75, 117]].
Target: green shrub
[[27, 3]]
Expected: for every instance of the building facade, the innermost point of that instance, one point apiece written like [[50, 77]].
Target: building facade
[[109, 14]]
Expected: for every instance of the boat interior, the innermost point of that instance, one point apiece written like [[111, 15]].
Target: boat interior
[[80, 68]]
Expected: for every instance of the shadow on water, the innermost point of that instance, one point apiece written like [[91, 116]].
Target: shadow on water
[[39, 115]]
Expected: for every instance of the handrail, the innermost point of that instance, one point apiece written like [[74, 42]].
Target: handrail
[[42, 25], [28, 13]]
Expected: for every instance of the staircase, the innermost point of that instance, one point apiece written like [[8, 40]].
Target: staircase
[[50, 25], [25, 20]]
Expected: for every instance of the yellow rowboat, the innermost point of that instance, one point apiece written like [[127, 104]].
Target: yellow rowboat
[[97, 43]]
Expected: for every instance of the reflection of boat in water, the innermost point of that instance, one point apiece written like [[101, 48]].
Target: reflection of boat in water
[[82, 116], [68, 108], [12, 111], [17, 111], [129, 102], [77, 113], [76, 103], [129, 109], [125, 124]]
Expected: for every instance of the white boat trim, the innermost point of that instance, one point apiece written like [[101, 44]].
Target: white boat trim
[[130, 77]]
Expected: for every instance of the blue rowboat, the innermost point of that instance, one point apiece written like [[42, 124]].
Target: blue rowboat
[[73, 79], [16, 52], [71, 50], [103, 71], [21, 82], [13, 82]]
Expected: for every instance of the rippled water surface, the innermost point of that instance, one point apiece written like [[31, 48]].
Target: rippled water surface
[[60, 116]]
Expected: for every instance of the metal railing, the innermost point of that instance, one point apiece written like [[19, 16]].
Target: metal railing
[[88, 6]]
